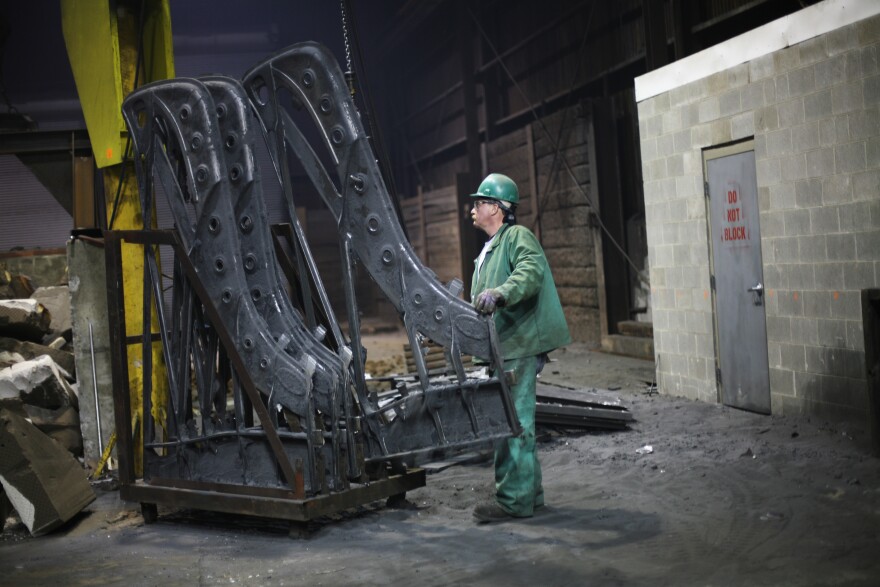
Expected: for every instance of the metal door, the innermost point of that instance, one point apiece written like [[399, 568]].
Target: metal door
[[740, 322]]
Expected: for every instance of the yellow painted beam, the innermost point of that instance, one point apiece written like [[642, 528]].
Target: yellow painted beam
[[103, 42]]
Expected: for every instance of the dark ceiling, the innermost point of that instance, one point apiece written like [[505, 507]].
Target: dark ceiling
[[225, 35]]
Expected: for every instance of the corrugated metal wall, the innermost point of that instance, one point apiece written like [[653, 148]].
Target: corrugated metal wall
[[30, 217]]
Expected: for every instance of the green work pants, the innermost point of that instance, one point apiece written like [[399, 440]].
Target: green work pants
[[518, 487]]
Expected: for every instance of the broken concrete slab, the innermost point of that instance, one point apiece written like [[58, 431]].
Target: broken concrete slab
[[44, 483], [88, 293], [32, 350], [61, 425], [40, 382], [24, 319], [56, 299]]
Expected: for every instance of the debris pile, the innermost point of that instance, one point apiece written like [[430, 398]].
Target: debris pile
[[40, 437]]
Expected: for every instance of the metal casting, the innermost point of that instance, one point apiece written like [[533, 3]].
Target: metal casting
[[266, 391]]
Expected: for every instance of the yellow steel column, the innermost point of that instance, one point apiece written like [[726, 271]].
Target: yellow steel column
[[103, 42]]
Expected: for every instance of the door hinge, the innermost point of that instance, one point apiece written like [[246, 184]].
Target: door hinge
[[706, 188], [718, 375], [712, 282]]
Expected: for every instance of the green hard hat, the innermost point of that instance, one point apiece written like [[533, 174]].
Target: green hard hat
[[498, 187]]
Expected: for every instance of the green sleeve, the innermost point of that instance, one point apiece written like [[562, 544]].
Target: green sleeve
[[526, 258]]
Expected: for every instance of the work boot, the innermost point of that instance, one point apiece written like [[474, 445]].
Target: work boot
[[490, 512]]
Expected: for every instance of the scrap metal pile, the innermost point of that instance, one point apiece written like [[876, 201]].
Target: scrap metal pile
[[268, 410]]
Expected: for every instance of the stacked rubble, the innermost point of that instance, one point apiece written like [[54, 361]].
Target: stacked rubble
[[40, 438]]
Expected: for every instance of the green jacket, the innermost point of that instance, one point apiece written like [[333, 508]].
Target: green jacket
[[531, 321]]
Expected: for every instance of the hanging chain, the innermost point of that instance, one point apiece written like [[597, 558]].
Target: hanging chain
[[349, 73]]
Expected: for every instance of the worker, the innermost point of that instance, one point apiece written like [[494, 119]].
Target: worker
[[512, 280]]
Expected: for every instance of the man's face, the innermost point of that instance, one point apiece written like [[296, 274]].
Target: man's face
[[483, 212]]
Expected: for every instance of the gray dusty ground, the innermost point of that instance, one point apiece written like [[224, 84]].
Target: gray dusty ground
[[726, 498]]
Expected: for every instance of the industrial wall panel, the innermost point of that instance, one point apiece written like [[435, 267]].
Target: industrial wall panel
[[30, 217]]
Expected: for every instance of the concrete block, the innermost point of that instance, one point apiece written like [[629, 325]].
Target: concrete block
[[779, 328], [774, 354], [872, 90], [841, 247], [665, 145], [813, 248], [781, 381], [817, 304], [804, 330], [836, 189], [687, 344], [772, 224], [864, 124], [791, 112], [769, 91], [829, 276], [787, 59], [847, 97], [742, 125], [808, 193], [763, 198], [867, 246], [774, 276], [855, 335], [648, 149], [653, 127], [868, 30], [769, 171], [782, 196], [872, 149], [850, 158], [730, 102], [801, 277], [820, 162], [45, 484], [846, 305], [786, 250], [705, 346], [675, 165], [779, 142], [831, 333], [841, 40], [671, 121], [856, 217], [812, 50], [720, 131], [866, 185], [802, 81], [683, 299], [859, 275], [794, 167], [789, 303], [817, 105], [782, 90], [805, 137], [698, 368], [762, 67], [796, 222], [767, 119], [682, 141], [793, 357], [752, 96], [870, 61], [825, 220], [709, 109]]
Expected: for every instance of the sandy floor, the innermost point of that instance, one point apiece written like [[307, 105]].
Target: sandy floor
[[725, 497]]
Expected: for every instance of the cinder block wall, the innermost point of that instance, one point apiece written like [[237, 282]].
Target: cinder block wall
[[814, 112]]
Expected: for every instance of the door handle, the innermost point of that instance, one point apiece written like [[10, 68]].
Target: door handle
[[758, 288]]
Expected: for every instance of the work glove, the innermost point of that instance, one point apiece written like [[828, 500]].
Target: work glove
[[488, 300]]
